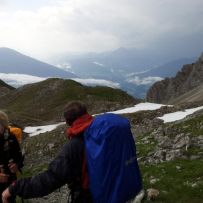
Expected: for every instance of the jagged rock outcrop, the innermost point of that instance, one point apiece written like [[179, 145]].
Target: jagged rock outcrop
[[175, 141], [189, 78]]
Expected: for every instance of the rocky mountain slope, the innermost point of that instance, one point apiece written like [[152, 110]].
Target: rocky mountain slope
[[43, 102], [186, 85], [170, 156], [191, 96], [5, 88]]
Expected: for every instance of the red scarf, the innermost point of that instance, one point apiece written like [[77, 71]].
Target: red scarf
[[79, 126]]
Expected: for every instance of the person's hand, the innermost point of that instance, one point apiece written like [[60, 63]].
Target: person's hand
[[13, 167], [5, 195]]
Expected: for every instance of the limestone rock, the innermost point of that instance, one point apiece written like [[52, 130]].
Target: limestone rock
[[152, 194]]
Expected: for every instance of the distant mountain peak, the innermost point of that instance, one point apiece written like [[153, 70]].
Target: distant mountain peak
[[14, 62], [9, 50]]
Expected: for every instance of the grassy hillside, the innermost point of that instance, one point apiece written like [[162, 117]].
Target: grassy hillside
[[44, 101], [5, 88], [179, 180]]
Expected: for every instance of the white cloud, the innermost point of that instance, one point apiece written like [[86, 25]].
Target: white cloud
[[95, 25], [66, 67], [99, 64], [95, 82], [17, 80], [137, 73], [143, 81]]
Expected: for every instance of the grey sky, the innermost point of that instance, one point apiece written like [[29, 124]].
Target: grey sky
[[45, 28]]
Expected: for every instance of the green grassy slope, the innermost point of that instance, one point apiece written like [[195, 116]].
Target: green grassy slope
[[180, 180], [44, 101]]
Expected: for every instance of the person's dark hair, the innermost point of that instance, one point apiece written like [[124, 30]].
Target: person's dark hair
[[74, 110]]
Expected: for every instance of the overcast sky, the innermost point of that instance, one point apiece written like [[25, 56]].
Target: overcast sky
[[44, 28]]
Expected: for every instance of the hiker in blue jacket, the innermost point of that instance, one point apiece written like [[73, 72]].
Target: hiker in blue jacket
[[70, 166]]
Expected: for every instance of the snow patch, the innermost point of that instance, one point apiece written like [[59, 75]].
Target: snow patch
[[171, 117], [139, 107], [32, 131]]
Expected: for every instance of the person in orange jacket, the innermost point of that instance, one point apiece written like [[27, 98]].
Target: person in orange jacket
[[10, 155]]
